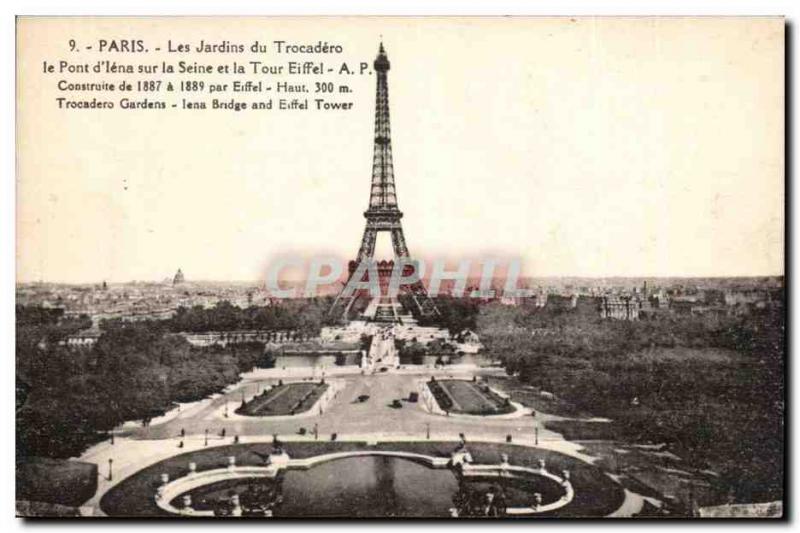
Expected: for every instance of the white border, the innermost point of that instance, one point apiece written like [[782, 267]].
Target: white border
[[788, 8]]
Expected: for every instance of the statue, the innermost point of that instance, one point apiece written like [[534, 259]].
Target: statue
[[475, 503]]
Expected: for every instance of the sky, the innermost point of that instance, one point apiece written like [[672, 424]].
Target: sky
[[583, 147]]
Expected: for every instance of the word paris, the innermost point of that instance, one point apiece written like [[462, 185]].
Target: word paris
[[388, 278]]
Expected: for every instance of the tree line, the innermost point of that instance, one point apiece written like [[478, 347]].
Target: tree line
[[710, 386], [304, 315], [455, 314], [68, 399]]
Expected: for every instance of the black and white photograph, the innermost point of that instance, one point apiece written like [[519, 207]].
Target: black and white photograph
[[412, 267]]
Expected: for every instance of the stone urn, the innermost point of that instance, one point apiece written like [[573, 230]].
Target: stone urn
[[236, 508], [280, 459]]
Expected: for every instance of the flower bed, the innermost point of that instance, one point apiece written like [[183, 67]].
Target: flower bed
[[288, 399], [468, 397]]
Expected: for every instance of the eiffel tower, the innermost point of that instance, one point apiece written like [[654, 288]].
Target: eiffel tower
[[383, 213]]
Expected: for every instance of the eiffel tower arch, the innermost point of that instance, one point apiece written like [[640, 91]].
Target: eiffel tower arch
[[383, 213]]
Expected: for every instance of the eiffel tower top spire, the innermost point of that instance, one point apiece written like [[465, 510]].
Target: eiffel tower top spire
[[382, 194]]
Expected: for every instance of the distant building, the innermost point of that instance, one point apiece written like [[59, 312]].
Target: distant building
[[561, 302], [684, 305], [587, 305], [86, 337], [714, 297], [658, 300], [224, 338], [540, 299], [509, 300], [620, 307], [746, 297], [178, 279]]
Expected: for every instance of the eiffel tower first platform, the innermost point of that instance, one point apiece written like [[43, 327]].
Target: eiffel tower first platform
[[383, 214]]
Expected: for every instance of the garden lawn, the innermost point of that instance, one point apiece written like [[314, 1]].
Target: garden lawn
[[468, 397], [288, 399]]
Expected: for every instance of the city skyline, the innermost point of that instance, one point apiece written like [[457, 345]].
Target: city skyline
[[592, 159], [556, 280]]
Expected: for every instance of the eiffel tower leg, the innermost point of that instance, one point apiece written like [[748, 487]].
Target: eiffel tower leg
[[399, 243], [418, 292], [367, 249]]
